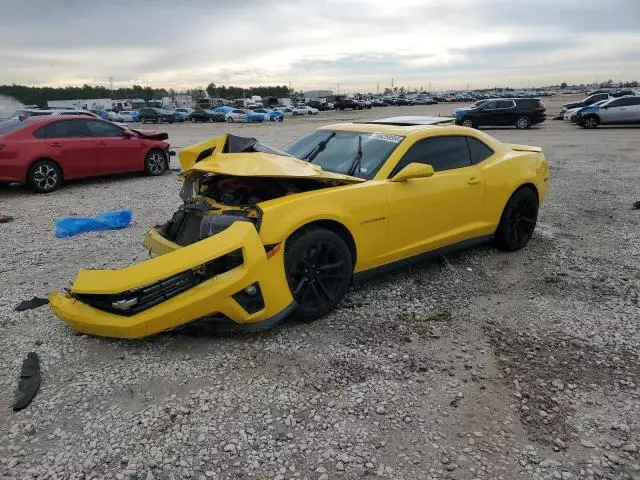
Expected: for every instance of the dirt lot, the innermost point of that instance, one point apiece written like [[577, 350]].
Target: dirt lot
[[479, 365]]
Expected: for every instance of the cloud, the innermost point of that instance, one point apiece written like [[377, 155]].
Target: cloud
[[314, 44]]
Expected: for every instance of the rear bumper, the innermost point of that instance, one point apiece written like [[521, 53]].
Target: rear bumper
[[213, 296]]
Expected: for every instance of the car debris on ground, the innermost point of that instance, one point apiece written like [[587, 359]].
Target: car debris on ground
[[69, 226], [35, 302], [29, 381]]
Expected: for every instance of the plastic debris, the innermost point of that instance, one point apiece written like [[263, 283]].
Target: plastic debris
[[69, 226], [35, 302], [29, 381]]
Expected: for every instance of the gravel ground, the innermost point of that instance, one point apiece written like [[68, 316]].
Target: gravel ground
[[479, 365]]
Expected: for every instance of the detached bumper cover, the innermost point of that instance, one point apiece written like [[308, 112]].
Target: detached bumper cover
[[208, 297]]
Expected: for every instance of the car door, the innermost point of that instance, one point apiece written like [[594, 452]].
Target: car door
[[505, 112], [633, 110], [488, 114], [628, 109], [67, 142], [114, 152], [612, 111], [427, 213]]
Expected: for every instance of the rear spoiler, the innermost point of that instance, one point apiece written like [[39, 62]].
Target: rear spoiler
[[524, 148]]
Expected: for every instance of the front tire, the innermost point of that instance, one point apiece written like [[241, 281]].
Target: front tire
[[518, 220], [523, 122], [155, 163], [319, 268], [229, 119], [590, 121], [467, 122], [44, 176]]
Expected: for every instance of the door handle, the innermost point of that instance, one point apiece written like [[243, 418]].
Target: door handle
[[473, 180], [55, 144], [101, 143]]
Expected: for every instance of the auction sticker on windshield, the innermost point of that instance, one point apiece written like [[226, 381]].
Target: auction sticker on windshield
[[386, 137]]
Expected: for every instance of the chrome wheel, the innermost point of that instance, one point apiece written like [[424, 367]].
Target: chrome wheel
[[590, 122], [467, 122], [45, 177], [523, 122], [156, 163]]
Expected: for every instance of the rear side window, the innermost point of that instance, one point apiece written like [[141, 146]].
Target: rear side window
[[626, 102], [103, 129], [478, 150], [505, 103], [442, 153], [62, 129]]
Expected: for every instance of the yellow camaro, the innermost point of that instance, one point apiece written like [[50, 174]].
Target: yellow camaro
[[264, 233]]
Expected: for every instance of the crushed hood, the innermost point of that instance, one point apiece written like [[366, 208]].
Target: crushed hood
[[151, 134], [245, 157]]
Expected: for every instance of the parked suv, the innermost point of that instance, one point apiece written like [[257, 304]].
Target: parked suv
[[519, 112], [344, 103], [616, 111], [156, 115]]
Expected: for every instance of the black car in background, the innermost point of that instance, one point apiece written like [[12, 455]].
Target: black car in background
[[342, 103], [157, 115], [590, 100], [206, 116], [518, 112]]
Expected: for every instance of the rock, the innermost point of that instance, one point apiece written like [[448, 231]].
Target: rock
[[380, 410], [340, 466], [549, 463], [630, 447], [559, 384], [559, 443], [229, 447], [587, 443]]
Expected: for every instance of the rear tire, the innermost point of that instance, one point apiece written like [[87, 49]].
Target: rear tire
[[155, 163], [44, 176], [523, 122], [229, 119], [319, 269], [518, 220]]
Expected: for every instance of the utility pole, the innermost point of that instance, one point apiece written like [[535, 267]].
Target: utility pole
[[378, 87], [392, 83]]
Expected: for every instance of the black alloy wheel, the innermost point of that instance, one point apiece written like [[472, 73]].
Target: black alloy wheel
[[518, 220], [319, 269]]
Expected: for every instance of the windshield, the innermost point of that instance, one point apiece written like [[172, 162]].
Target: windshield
[[12, 126], [338, 151]]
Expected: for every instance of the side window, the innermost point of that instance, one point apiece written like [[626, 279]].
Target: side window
[[478, 150], [442, 153], [490, 105], [103, 129], [505, 103], [62, 129], [634, 101], [616, 103], [627, 102]]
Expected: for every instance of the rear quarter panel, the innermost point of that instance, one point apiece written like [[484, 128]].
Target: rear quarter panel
[[507, 171], [361, 208]]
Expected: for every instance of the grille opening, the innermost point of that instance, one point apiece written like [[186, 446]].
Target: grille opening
[[135, 301]]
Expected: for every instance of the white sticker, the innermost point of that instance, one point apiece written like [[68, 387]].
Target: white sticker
[[386, 137]]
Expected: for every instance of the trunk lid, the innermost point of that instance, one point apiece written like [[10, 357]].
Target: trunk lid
[[524, 148]]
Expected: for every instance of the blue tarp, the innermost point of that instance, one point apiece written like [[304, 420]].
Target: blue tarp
[[69, 226]]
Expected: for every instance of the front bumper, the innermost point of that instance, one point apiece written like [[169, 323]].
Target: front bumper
[[214, 296]]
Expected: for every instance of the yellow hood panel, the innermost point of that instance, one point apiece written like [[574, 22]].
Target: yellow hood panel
[[258, 164], [251, 164]]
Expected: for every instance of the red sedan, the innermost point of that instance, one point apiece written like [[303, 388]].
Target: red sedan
[[44, 151]]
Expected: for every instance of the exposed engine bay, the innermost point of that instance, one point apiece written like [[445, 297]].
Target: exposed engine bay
[[213, 202]]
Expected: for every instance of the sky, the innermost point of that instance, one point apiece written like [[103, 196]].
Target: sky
[[342, 45]]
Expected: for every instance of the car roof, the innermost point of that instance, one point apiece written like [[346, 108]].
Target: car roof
[[370, 127], [41, 119], [412, 120]]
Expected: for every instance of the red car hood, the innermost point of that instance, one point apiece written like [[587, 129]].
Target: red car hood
[[151, 134]]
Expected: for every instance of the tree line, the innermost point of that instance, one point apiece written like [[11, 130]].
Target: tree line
[[40, 95]]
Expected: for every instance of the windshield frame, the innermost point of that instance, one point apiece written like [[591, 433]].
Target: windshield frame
[[331, 132]]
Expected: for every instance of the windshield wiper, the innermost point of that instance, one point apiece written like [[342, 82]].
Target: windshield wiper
[[355, 165], [319, 148]]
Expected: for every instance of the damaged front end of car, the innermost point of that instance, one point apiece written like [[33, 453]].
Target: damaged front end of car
[[211, 263]]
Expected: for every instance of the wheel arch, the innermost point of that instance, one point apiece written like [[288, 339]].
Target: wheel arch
[[40, 159], [335, 227]]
